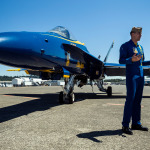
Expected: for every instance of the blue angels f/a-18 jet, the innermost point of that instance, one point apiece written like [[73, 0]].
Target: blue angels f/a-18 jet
[[56, 54]]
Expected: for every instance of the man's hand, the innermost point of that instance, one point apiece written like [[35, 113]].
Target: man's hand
[[136, 57]]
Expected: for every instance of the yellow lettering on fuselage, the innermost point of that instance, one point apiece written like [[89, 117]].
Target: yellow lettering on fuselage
[[80, 65]]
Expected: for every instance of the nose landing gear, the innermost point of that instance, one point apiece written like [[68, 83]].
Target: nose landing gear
[[67, 94]]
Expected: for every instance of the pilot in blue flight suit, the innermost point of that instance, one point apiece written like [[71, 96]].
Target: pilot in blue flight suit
[[131, 54]]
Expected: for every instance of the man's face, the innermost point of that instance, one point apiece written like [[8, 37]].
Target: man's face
[[137, 36]]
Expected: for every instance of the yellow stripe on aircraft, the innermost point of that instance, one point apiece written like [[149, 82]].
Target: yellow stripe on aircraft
[[14, 70], [26, 71], [48, 70], [77, 42], [68, 59], [68, 62], [82, 66], [66, 76]]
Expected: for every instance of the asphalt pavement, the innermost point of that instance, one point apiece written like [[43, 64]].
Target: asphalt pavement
[[32, 119]]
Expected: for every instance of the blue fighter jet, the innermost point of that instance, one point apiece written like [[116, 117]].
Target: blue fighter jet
[[56, 54]]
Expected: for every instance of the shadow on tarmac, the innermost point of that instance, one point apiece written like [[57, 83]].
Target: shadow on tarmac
[[83, 96], [44, 102], [92, 135]]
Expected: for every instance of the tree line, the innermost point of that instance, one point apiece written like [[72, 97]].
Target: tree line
[[7, 78]]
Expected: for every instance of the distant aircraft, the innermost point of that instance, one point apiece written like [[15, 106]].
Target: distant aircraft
[[56, 54]]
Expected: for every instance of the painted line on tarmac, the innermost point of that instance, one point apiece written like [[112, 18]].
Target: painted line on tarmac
[[118, 104], [115, 104]]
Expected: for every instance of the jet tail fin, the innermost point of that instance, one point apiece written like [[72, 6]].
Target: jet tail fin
[[108, 52]]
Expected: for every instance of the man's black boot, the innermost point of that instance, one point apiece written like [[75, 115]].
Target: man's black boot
[[139, 127], [127, 130]]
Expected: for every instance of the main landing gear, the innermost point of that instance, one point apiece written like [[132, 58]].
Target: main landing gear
[[67, 94], [101, 88]]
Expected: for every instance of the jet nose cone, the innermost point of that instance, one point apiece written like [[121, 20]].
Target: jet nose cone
[[13, 46], [3, 39], [6, 40], [15, 41], [5, 47]]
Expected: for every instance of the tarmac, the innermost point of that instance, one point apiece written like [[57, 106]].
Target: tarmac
[[32, 119]]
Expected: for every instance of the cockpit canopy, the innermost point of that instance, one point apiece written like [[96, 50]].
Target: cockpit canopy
[[63, 32]]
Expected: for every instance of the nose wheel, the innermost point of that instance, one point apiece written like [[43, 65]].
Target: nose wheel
[[70, 98], [67, 94]]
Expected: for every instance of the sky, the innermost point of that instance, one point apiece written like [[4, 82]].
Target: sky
[[94, 22]]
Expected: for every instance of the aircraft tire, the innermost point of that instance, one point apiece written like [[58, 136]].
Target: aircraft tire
[[71, 98], [109, 91], [61, 98]]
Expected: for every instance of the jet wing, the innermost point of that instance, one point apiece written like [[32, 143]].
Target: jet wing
[[27, 71], [79, 54], [146, 70], [32, 72], [92, 65], [112, 69]]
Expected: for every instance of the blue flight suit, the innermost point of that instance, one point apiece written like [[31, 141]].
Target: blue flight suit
[[134, 82]]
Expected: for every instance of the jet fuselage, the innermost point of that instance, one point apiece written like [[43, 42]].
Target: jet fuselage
[[36, 50]]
